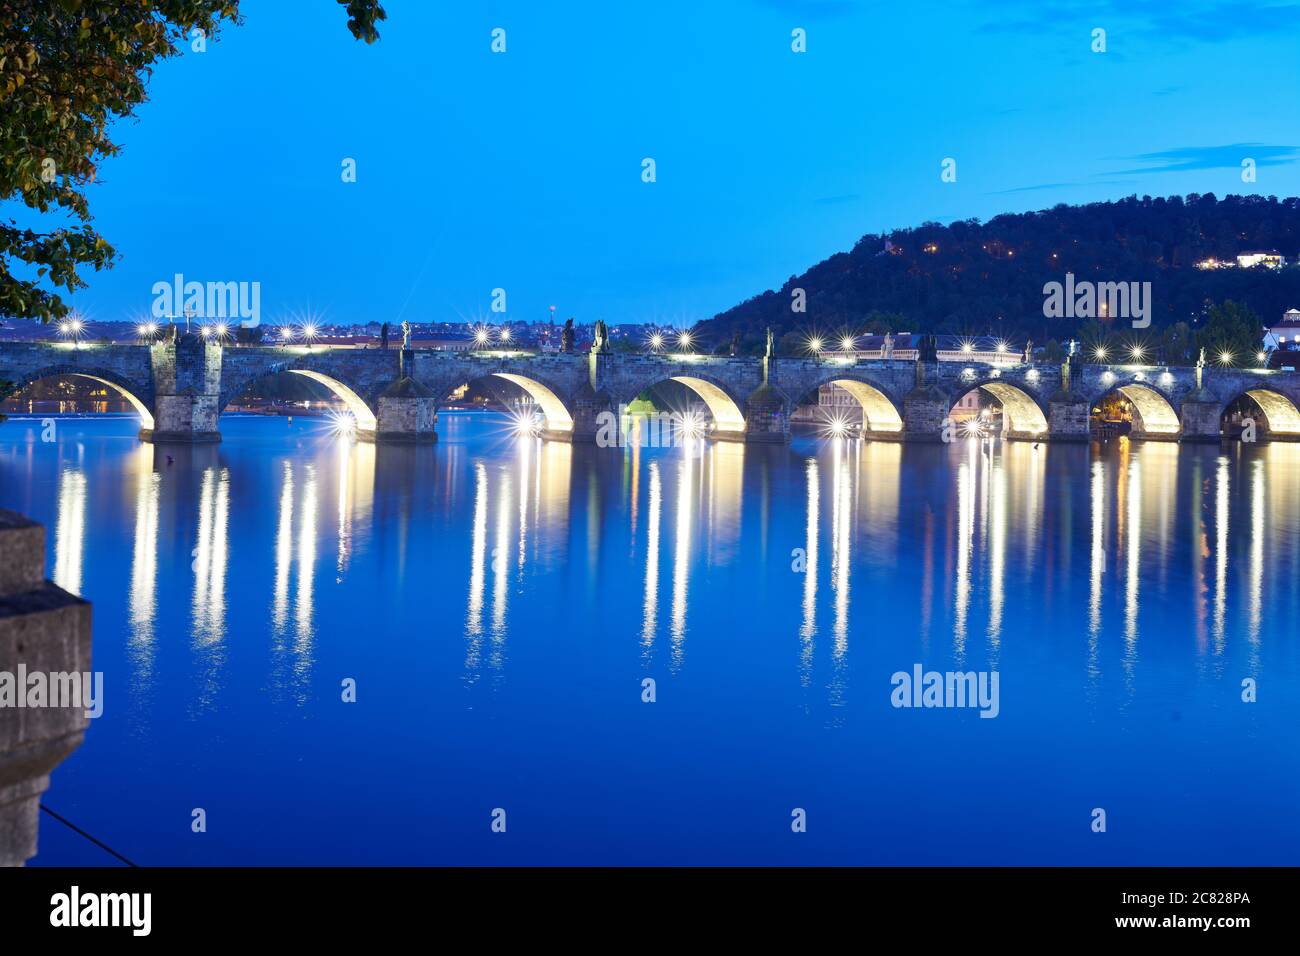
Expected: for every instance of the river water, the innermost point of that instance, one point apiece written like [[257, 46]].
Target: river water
[[499, 603]]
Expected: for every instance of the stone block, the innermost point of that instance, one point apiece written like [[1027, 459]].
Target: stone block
[[42, 629]]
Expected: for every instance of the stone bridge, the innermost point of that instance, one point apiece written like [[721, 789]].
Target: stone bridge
[[180, 389]]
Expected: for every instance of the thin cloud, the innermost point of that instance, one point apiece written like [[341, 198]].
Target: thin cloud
[[1187, 158]]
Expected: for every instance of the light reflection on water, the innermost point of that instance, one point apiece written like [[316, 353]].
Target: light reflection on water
[[770, 591]]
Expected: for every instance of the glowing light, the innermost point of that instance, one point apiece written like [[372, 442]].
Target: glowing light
[[206, 331], [146, 329], [836, 424], [692, 425], [1225, 357], [343, 424], [71, 327], [310, 331], [847, 343], [1100, 353], [973, 427], [684, 340], [286, 333], [505, 335], [1002, 347], [1262, 357], [221, 330], [1137, 352], [481, 336], [967, 347], [656, 341], [526, 422], [815, 344]]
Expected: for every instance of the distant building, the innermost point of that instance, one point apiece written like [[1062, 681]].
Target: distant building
[[1271, 259], [440, 343], [949, 348], [904, 347], [1284, 335]]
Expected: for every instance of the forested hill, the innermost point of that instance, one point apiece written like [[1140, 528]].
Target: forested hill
[[975, 278]]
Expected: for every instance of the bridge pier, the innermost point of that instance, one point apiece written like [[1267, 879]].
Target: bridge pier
[[187, 389], [925, 408], [592, 412], [1199, 417], [766, 419], [1068, 418], [408, 415], [183, 418]]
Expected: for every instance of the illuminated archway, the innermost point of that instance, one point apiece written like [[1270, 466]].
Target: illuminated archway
[[141, 409], [1022, 416], [879, 415], [1281, 416], [553, 409], [728, 420], [1152, 414], [366, 421]]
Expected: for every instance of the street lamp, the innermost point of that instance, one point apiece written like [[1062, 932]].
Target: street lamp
[[72, 329], [684, 341]]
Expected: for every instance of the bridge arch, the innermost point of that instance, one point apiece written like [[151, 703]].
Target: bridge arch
[[880, 411], [361, 409], [1023, 416], [1281, 416], [1154, 416], [725, 408], [557, 414], [139, 399]]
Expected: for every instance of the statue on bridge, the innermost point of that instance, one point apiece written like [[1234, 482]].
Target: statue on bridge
[[735, 342], [406, 334], [1029, 351], [771, 344], [600, 339], [566, 337], [927, 349], [887, 346]]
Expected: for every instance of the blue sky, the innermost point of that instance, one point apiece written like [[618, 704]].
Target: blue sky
[[523, 170]]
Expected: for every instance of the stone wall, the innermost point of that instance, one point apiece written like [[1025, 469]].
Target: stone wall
[[42, 629]]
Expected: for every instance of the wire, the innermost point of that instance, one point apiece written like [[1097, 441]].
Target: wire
[[76, 829]]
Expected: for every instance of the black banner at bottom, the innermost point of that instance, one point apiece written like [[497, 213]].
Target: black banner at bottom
[[300, 905]]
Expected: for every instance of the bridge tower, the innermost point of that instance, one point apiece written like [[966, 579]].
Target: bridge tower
[[187, 388]]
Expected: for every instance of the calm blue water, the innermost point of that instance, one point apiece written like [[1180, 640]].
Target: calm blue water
[[499, 601]]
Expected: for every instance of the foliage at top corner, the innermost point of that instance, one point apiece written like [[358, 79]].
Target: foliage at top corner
[[68, 69]]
